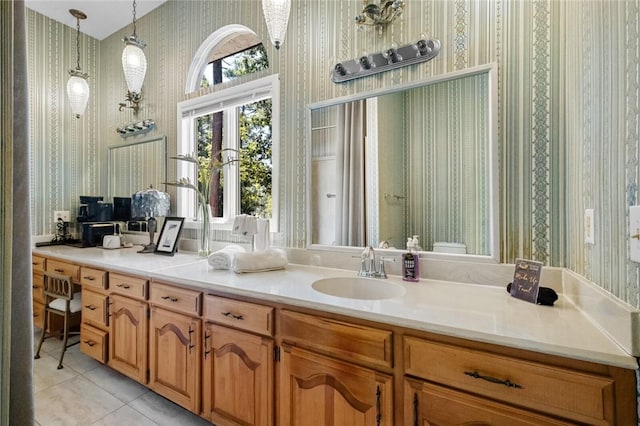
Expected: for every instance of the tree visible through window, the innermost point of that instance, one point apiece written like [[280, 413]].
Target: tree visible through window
[[250, 133]]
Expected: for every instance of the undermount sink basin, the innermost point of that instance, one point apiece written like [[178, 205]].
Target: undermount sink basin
[[358, 288]]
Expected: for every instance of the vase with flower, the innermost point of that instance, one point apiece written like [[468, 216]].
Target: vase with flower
[[206, 168]]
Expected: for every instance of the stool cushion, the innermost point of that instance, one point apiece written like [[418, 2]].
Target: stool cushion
[[74, 306]]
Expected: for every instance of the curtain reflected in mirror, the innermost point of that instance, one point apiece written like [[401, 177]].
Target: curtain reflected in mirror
[[350, 229], [136, 166], [412, 162]]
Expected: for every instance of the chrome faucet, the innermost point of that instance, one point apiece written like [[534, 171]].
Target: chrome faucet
[[368, 264]]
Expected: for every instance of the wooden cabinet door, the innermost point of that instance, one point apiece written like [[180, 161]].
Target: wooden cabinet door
[[238, 377], [318, 390], [428, 404], [128, 337], [174, 357]]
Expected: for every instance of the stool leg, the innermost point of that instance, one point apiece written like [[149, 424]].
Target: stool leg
[[45, 323], [66, 336]]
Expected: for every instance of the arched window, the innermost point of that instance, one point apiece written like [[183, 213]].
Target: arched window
[[233, 132]]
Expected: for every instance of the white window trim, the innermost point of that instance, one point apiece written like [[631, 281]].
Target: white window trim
[[186, 144]]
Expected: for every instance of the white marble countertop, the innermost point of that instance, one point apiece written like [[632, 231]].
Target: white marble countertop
[[477, 312]]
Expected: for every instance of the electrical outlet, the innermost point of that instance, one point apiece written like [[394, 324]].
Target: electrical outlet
[[62, 214], [589, 227]]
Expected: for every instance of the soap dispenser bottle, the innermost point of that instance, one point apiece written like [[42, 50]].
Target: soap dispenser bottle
[[410, 262]]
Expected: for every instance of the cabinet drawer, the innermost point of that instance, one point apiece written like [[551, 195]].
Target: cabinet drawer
[[93, 342], [340, 339], [430, 404], [38, 314], [94, 308], [38, 263], [38, 287], [243, 315], [128, 286], [175, 298], [553, 390], [63, 268], [93, 278]]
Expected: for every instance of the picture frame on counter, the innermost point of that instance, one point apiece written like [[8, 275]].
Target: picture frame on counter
[[169, 236]]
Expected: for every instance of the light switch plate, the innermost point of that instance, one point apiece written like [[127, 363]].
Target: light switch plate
[[589, 227], [634, 233]]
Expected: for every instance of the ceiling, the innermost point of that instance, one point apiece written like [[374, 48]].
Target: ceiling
[[104, 17]]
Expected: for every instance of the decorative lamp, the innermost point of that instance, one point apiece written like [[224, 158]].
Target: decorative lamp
[[77, 86], [276, 15], [134, 65], [379, 15], [150, 204]]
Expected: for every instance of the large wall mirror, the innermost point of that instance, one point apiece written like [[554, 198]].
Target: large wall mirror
[[416, 159], [136, 165]]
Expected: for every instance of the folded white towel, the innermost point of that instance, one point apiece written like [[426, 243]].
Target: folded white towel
[[245, 225], [238, 224], [261, 241], [270, 259], [223, 258]]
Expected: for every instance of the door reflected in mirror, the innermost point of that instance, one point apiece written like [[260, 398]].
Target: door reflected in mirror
[[419, 159]]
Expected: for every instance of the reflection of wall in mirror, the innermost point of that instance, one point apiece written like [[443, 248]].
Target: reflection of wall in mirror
[[323, 176], [448, 156], [391, 169]]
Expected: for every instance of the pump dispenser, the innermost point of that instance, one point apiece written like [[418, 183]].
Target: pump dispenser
[[411, 261]]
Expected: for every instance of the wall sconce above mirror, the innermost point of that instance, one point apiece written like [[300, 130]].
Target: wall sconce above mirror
[[421, 51], [379, 15], [136, 128]]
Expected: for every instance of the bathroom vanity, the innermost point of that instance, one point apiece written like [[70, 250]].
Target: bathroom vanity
[[269, 349]]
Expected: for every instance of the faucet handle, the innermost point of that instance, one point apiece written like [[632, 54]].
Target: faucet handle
[[382, 273]]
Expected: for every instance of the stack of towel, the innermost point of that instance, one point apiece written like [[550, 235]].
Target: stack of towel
[[223, 259], [270, 259]]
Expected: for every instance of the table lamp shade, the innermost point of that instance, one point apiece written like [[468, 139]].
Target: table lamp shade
[[149, 203]]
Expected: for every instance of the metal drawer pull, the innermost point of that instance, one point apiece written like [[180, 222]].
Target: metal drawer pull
[[89, 278], [125, 286], [173, 299], [229, 314], [89, 342], [508, 383], [90, 307], [59, 270]]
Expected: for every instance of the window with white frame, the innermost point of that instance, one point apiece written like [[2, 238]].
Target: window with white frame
[[234, 135]]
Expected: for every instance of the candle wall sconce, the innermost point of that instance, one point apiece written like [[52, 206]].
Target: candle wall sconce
[[422, 51], [136, 128]]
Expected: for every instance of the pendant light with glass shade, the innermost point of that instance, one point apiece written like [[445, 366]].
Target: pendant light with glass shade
[[134, 65], [77, 86], [276, 15]]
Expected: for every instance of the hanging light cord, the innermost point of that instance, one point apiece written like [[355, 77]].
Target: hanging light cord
[[134, 18], [78, 43]]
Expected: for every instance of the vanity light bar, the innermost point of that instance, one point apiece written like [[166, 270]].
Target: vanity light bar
[[421, 51], [136, 128]]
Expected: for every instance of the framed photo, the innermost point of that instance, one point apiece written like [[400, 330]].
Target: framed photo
[[168, 239]]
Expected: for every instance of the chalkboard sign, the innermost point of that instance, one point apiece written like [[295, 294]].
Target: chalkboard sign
[[526, 280]]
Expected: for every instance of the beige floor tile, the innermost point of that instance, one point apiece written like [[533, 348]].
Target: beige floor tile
[[124, 416], [76, 401], [118, 385], [164, 412], [46, 373]]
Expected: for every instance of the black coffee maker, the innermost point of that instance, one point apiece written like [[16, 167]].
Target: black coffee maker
[[93, 209]]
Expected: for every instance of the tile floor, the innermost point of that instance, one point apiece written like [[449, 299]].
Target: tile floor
[[86, 392]]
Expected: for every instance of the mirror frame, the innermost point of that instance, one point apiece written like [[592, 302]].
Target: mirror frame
[[111, 148], [491, 70]]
